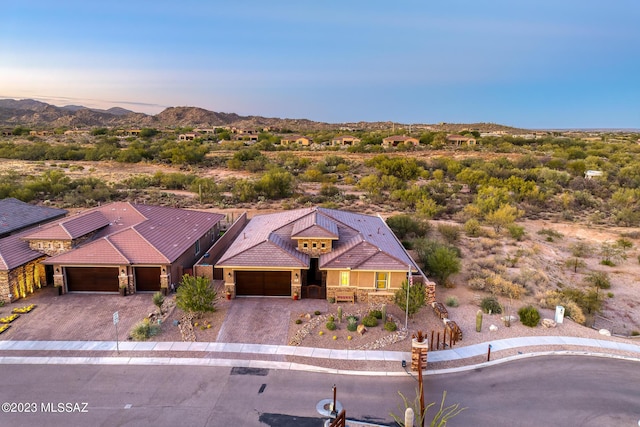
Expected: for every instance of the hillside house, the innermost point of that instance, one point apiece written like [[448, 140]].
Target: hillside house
[[394, 141], [459, 140], [345, 141], [296, 139]]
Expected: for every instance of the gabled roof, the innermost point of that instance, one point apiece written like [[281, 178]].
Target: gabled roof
[[16, 215], [71, 228], [314, 225], [364, 242], [140, 234], [15, 252]]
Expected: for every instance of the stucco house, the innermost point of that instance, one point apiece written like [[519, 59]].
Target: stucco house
[[345, 141], [317, 252], [140, 247], [296, 139], [395, 140], [458, 140], [20, 270]]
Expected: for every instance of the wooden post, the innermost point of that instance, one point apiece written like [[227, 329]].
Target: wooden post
[[421, 385], [489, 353], [438, 342], [431, 348]]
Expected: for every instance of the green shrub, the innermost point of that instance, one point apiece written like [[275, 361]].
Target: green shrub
[[472, 228], [1, 303], [491, 304], [376, 313], [158, 300], [369, 321], [317, 312], [331, 325], [610, 294], [529, 316], [390, 326], [331, 300], [144, 330], [516, 232], [298, 321], [635, 333], [450, 233], [452, 301], [352, 324], [331, 318]]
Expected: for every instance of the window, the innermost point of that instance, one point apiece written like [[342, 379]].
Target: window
[[305, 245], [323, 245], [344, 278], [197, 247], [382, 280], [314, 245]]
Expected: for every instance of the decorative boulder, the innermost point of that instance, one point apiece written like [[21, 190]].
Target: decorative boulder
[[307, 316], [361, 329], [605, 332], [493, 328], [548, 323]]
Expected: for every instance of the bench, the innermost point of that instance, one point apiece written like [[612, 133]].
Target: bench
[[344, 296]]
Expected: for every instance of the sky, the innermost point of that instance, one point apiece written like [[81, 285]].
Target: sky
[[525, 63]]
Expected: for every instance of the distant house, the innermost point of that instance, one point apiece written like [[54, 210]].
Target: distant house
[[459, 140], [593, 174], [296, 139], [345, 141], [39, 133], [189, 136], [394, 141], [317, 252]]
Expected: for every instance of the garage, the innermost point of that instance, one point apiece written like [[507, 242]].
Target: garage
[[266, 283], [92, 279], [147, 279]]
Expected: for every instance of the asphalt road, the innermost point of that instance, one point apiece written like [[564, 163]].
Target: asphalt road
[[563, 391]]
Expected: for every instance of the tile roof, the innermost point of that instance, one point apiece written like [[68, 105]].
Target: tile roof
[[364, 242], [16, 215], [140, 234], [15, 252], [315, 225], [71, 228]]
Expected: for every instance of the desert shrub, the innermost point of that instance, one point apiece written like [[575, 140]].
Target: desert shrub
[[158, 300], [331, 318], [298, 321], [610, 294], [500, 286], [331, 300], [551, 234], [317, 312], [450, 233], [376, 313], [516, 232], [1, 303], [477, 283], [352, 323], [472, 228], [331, 325], [452, 301], [491, 304], [552, 299], [390, 326], [529, 316], [635, 333], [144, 330], [416, 297], [369, 321]]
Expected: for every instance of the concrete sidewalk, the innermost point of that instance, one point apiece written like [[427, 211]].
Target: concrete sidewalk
[[258, 351]]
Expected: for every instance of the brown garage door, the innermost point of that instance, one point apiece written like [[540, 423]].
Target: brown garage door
[[147, 279], [92, 279], [269, 283]]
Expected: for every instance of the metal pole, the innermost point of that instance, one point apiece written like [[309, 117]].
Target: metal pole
[[117, 345], [406, 314], [334, 410]]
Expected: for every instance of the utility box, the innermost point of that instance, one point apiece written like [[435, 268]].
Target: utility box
[[559, 314]]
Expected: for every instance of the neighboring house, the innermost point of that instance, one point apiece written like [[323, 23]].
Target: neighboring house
[[593, 174], [459, 140], [317, 252], [345, 141], [189, 136], [20, 271], [394, 141], [141, 247], [16, 216], [296, 139]]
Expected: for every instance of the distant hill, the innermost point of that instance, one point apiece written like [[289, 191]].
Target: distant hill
[[36, 114]]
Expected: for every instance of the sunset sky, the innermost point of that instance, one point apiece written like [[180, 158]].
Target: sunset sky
[[525, 63]]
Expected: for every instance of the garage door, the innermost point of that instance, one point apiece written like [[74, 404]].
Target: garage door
[[269, 283], [92, 279], [147, 279]]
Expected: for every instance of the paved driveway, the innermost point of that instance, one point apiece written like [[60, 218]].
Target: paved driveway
[[263, 320]]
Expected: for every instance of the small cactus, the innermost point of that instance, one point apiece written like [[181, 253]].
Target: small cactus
[[384, 313], [339, 314], [479, 321]]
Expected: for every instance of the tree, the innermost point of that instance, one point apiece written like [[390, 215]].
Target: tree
[[441, 261], [196, 295], [503, 217], [402, 225], [575, 263], [417, 296], [612, 253]]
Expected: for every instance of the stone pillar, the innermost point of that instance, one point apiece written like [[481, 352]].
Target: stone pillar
[[123, 279], [164, 279], [419, 350], [58, 279]]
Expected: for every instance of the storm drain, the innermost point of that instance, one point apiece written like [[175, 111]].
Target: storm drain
[[258, 372]]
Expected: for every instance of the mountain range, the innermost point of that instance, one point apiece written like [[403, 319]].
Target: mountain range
[[36, 114]]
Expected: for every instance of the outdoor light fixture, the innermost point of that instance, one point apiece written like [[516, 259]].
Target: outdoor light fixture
[[297, 276], [229, 274], [404, 363], [57, 270], [122, 271]]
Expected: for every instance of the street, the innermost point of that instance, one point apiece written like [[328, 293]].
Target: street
[[561, 390]]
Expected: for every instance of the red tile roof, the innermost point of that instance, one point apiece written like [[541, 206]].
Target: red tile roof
[[71, 227], [314, 225], [140, 234], [15, 252]]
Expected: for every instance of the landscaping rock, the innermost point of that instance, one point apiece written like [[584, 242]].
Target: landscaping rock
[[493, 328], [548, 323], [361, 329], [605, 332]]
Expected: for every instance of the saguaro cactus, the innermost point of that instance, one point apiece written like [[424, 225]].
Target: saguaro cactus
[[340, 314], [479, 321], [384, 313]]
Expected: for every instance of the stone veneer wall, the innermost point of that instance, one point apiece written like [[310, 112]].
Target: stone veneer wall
[[22, 281]]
